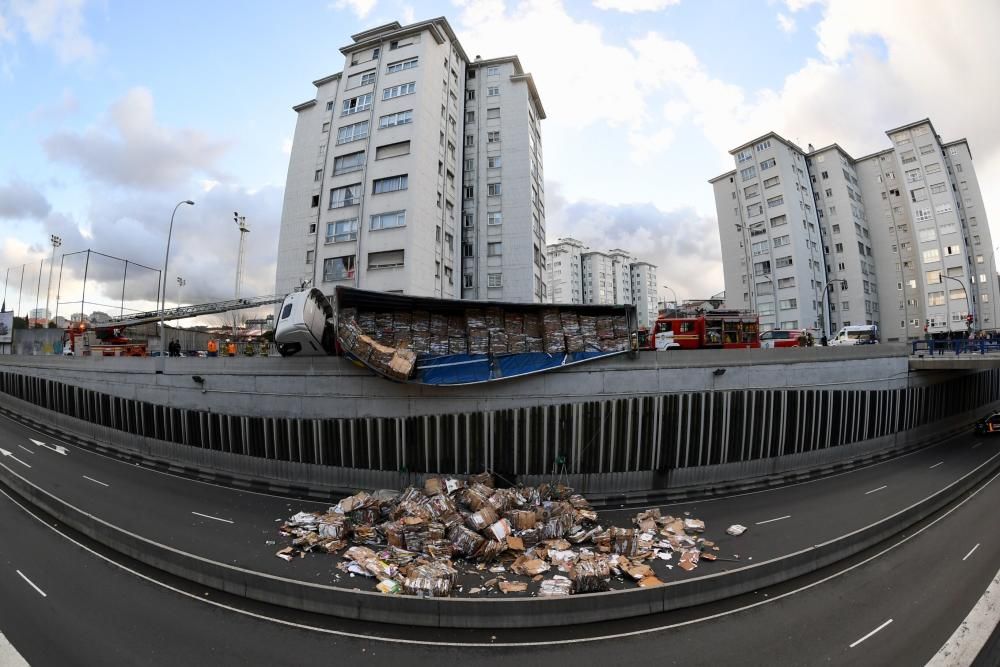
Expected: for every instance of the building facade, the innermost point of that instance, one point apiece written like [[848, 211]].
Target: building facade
[[416, 170], [904, 236]]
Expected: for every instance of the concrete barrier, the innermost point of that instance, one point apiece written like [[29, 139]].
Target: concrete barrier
[[491, 613]]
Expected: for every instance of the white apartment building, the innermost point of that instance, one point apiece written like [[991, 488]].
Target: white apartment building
[[564, 270], [394, 186], [907, 220], [771, 244]]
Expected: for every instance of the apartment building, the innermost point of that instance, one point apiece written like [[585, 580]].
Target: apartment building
[[905, 240], [417, 170], [771, 244]]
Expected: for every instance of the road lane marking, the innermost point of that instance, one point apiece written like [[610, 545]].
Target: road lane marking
[[59, 449], [32, 584], [26, 449], [761, 523], [878, 489], [493, 644], [936, 465], [871, 633], [970, 551], [95, 481], [212, 517], [4, 452]]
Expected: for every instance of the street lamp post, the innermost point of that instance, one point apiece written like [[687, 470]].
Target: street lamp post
[[161, 362], [56, 242], [968, 303]]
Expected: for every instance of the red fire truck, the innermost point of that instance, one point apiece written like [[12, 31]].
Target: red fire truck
[[100, 341], [716, 329]]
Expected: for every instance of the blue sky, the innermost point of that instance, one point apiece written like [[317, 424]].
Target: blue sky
[[111, 112]]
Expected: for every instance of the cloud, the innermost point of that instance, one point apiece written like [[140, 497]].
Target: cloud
[[786, 23], [57, 24], [129, 148], [361, 8], [21, 200], [681, 242], [633, 6]]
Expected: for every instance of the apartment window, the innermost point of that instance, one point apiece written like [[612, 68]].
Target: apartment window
[[352, 132], [346, 196], [400, 90], [394, 119], [779, 220], [390, 184], [494, 218], [493, 137], [494, 280], [775, 201], [357, 104], [401, 65], [467, 192], [492, 91], [342, 230], [748, 173], [387, 220], [771, 182], [309, 256], [493, 162], [767, 164], [494, 249], [387, 259], [782, 262], [493, 189], [314, 202], [338, 268], [326, 127], [493, 71]]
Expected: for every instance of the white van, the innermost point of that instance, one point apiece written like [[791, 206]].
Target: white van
[[857, 334]]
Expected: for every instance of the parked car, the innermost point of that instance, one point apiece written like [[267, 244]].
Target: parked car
[[989, 424]]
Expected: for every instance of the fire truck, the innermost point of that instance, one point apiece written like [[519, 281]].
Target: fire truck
[[109, 341], [716, 329]]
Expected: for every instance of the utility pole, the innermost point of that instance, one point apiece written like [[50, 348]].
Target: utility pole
[[56, 242]]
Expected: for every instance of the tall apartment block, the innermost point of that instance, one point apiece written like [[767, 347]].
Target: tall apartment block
[[577, 274], [907, 220], [417, 170]]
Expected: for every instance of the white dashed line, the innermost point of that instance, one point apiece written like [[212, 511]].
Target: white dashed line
[[871, 633], [878, 489], [761, 523], [32, 584], [95, 481], [970, 551], [212, 517], [936, 465]]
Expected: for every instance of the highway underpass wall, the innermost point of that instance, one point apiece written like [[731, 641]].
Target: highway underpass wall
[[620, 426]]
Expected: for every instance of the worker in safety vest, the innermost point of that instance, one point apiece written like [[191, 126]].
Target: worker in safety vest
[[230, 348], [213, 348]]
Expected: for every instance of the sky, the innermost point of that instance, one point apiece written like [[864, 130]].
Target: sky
[[113, 111]]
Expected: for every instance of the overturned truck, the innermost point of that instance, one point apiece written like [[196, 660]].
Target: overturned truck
[[451, 342]]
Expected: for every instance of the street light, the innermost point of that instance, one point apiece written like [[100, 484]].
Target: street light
[[161, 363], [56, 242]]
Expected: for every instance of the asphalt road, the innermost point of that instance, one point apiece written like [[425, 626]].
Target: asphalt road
[[240, 527], [896, 604]]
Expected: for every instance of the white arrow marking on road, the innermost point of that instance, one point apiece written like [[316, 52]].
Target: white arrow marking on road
[[56, 448], [4, 452]]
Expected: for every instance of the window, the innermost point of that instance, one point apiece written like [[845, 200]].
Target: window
[[767, 164], [775, 201], [400, 90], [386, 259], [493, 162], [338, 268], [782, 262], [748, 173], [493, 189], [309, 256], [494, 280], [342, 230], [771, 182], [357, 104], [352, 132], [401, 65], [394, 119], [492, 71], [492, 91], [494, 218], [392, 150], [493, 137], [347, 163], [778, 221], [390, 184], [494, 249], [346, 196]]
